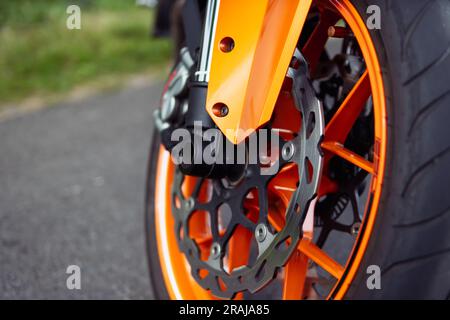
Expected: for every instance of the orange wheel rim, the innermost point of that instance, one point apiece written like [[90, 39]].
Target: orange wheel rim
[[176, 270]]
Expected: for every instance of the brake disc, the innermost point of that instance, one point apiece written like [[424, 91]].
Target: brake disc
[[274, 248]]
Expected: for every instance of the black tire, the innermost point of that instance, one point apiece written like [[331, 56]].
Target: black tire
[[156, 276], [411, 239]]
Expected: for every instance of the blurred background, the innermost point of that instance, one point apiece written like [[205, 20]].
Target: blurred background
[[75, 126], [39, 55]]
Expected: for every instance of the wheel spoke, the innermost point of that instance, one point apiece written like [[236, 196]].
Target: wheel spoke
[[314, 46], [338, 149], [198, 185], [239, 247], [327, 186], [295, 276], [206, 240], [284, 183], [342, 122], [276, 221], [322, 259], [203, 241], [198, 226]]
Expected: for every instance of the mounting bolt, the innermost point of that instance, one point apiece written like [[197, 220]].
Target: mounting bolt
[[288, 151], [355, 228], [220, 110], [261, 232], [189, 204], [226, 44], [215, 251]]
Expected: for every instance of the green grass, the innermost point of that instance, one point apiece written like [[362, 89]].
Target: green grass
[[39, 55]]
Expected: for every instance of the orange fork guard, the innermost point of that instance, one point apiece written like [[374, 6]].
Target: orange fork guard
[[248, 78]]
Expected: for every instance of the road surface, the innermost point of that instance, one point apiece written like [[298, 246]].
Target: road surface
[[72, 193]]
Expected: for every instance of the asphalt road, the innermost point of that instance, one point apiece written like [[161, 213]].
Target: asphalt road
[[72, 183]]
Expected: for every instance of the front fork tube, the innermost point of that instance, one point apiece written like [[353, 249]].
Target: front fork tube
[[199, 86]]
